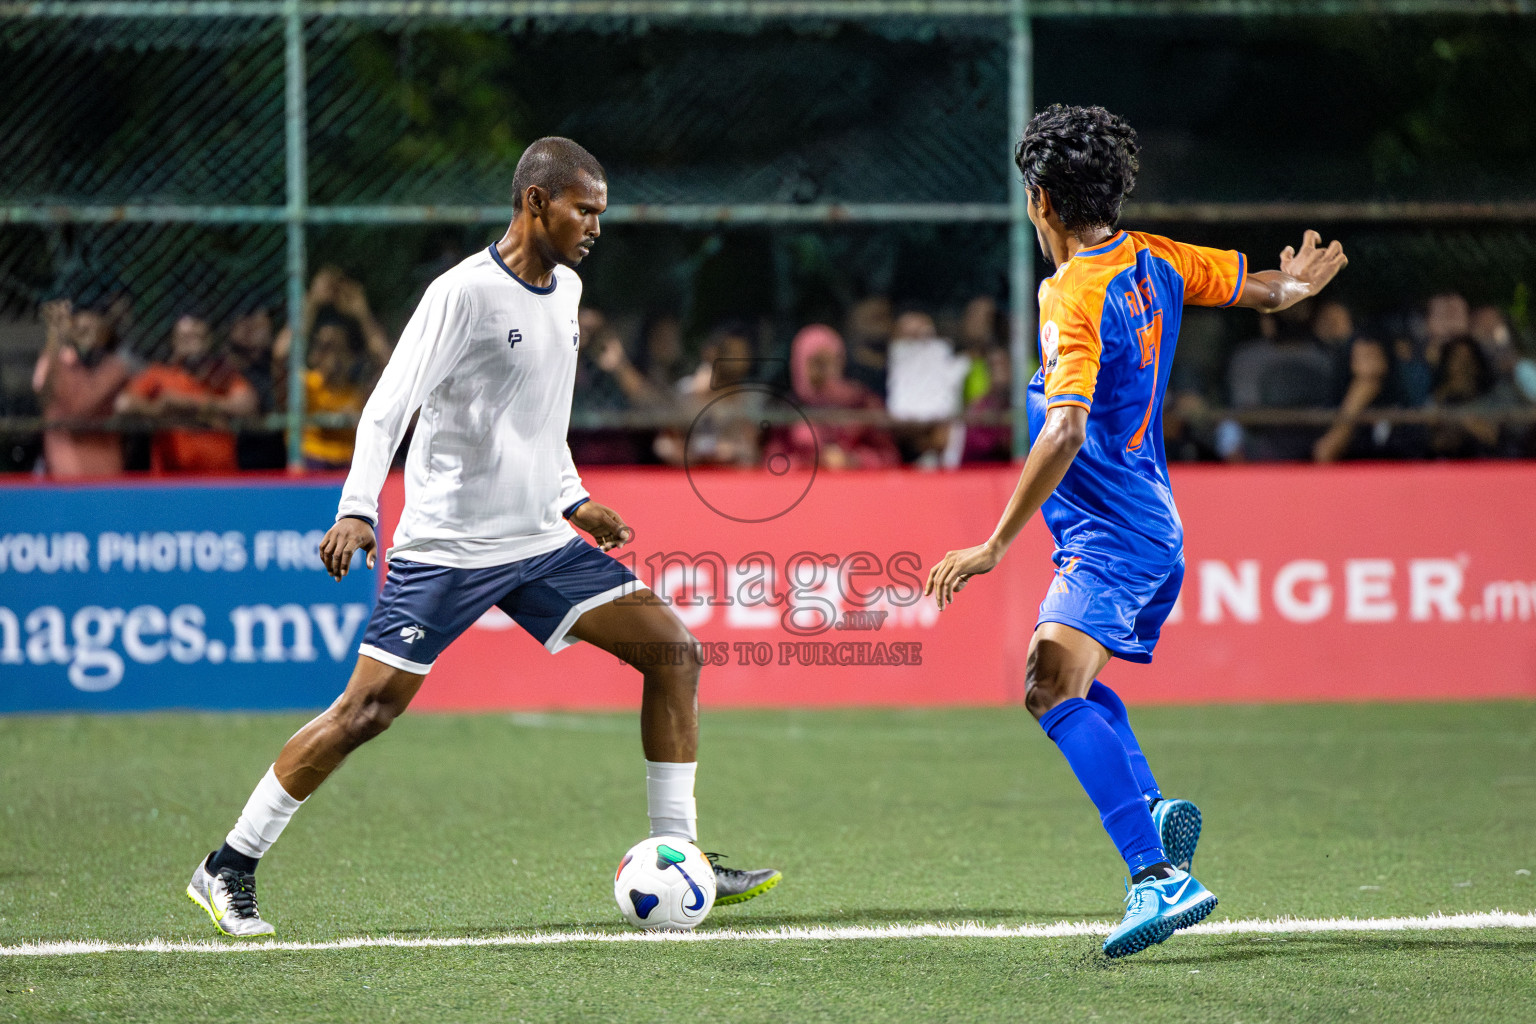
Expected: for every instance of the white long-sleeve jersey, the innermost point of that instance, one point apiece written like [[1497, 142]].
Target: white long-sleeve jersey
[[491, 362]]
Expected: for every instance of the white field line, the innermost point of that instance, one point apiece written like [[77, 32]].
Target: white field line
[[1062, 929]]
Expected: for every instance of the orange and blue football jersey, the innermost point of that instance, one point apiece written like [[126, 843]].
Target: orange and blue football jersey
[[1109, 324]]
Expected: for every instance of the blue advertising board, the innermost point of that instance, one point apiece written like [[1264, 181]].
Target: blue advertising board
[[139, 596]]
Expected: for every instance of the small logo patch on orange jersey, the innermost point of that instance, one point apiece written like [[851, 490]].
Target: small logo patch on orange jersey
[[1050, 339]]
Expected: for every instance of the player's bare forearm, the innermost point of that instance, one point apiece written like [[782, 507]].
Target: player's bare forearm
[[1270, 291], [1303, 273], [1049, 459]]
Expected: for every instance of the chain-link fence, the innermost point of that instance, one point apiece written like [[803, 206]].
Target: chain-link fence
[[770, 161]]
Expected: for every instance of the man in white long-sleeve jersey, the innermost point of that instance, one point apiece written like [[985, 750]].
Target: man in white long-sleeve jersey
[[491, 494]]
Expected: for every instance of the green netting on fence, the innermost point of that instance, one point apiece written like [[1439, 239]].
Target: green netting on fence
[[183, 121], [154, 272], [141, 110], [440, 113]]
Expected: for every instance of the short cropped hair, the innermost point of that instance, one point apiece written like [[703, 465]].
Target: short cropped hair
[[553, 164], [1085, 157]]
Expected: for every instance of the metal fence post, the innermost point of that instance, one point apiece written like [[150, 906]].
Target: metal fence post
[[297, 127], [1021, 240]]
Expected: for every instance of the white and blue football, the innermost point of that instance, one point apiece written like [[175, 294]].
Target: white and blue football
[[664, 883]]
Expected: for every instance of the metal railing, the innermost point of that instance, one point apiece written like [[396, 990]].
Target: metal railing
[[644, 420]]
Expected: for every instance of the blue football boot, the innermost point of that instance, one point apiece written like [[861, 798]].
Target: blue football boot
[[1178, 825], [1155, 909]]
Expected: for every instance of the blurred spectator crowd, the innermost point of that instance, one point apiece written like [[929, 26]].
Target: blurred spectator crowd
[[891, 388], [1444, 381], [202, 407], [890, 385]]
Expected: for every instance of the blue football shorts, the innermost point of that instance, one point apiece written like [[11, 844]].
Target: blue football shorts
[[1120, 603], [424, 608]]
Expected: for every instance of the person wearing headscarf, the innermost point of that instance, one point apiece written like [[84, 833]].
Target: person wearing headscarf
[[816, 365]]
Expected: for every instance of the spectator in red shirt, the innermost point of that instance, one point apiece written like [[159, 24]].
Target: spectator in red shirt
[[78, 377], [194, 396]]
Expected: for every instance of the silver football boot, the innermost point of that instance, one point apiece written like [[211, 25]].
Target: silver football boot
[[733, 885], [230, 899]]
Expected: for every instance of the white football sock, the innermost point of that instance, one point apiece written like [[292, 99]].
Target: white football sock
[[266, 814], [669, 794]]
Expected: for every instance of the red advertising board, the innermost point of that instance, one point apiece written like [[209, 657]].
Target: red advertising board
[[1303, 583]]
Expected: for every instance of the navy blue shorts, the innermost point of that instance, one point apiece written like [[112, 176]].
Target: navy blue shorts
[[1121, 604], [424, 607]]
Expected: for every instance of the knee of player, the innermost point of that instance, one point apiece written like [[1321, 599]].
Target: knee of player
[[1042, 691], [682, 675], [367, 718], [675, 669]]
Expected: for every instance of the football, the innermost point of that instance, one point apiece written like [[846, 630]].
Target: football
[[664, 883]]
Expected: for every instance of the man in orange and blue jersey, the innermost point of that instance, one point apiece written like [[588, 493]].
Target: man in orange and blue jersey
[[1109, 323]]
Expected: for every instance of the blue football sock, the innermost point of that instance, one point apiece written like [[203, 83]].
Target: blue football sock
[[1099, 760], [1108, 703]]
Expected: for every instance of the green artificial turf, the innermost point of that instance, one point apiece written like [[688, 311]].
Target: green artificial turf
[[482, 825]]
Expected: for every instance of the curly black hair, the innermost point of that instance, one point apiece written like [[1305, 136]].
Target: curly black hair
[[1085, 157]]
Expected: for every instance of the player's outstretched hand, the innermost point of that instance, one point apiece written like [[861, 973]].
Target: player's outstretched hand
[[604, 524], [342, 541], [949, 577], [1312, 265]]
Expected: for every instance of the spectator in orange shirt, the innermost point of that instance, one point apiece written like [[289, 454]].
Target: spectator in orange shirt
[[332, 292], [193, 396], [78, 377], [337, 381]]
